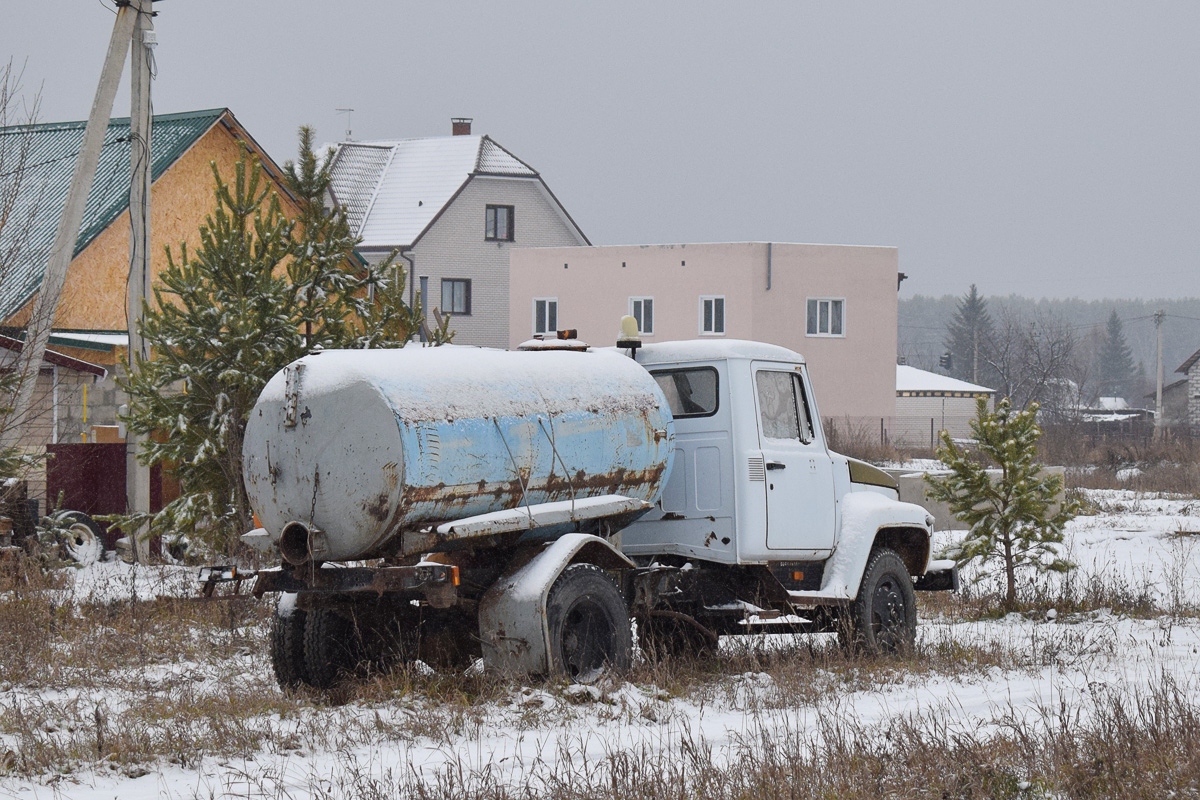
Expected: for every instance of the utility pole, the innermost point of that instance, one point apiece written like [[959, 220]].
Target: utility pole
[[1159, 316], [141, 61], [975, 355], [45, 306]]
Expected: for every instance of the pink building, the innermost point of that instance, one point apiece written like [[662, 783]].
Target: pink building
[[834, 304]]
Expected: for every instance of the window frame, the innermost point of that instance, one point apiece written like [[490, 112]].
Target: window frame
[[654, 373], [466, 296], [828, 334], [533, 322], [800, 404], [638, 316], [713, 298], [490, 219]]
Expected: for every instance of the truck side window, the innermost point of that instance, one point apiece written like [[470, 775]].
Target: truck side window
[[780, 398], [690, 392]]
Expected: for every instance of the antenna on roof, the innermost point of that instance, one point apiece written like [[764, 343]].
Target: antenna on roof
[[347, 112]]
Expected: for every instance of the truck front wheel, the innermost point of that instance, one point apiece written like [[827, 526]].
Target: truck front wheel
[[589, 625], [883, 617]]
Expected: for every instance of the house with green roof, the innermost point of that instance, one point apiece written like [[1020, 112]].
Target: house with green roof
[[90, 326]]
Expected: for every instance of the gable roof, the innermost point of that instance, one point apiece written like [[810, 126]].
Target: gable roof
[[394, 190], [1187, 365], [15, 346], [911, 379], [53, 148]]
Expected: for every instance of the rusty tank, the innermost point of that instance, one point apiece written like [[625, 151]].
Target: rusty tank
[[348, 450]]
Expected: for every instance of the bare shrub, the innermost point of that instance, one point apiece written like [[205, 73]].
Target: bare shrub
[[858, 438]]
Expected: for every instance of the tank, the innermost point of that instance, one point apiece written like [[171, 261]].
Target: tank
[[349, 448]]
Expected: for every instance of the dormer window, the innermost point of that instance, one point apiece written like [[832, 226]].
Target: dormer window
[[498, 224]]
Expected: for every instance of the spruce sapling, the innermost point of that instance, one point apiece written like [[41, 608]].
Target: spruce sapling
[[1011, 518]]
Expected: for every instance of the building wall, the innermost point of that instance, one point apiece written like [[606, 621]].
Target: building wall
[[915, 414], [854, 374], [454, 247], [1193, 397]]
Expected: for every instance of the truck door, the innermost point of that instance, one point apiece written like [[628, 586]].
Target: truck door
[[800, 494]]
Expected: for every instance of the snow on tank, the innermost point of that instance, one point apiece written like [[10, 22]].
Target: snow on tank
[[362, 445]]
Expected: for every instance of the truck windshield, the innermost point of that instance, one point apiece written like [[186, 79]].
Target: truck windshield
[[690, 392]]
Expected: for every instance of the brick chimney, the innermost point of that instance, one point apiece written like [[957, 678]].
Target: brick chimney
[[460, 126]]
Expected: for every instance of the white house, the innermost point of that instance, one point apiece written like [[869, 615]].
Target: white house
[[928, 403], [453, 206]]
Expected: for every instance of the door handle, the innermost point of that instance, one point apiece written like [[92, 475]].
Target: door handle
[[776, 465]]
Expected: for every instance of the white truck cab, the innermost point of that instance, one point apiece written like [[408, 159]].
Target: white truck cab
[[753, 481]]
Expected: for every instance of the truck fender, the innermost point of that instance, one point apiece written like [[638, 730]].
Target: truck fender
[[512, 613], [866, 518]]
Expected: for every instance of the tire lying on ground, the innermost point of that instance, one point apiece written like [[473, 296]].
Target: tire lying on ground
[[83, 538], [883, 617], [590, 633]]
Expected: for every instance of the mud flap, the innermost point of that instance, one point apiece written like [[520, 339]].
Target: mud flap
[[512, 613], [942, 576]]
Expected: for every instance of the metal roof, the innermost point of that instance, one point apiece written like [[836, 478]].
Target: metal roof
[[15, 346], [911, 379], [393, 190], [47, 178]]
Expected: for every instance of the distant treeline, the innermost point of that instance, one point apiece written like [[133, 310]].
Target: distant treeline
[[923, 322]]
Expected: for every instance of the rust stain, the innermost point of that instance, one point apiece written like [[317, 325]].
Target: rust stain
[[378, 508]]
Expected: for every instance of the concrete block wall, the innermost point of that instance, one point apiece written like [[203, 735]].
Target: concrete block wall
[[913, 489]]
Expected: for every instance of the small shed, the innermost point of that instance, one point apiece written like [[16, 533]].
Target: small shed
[[927, 403]]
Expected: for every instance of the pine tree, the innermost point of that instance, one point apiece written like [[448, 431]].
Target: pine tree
[[259, 292], [969, 336], [1009, 517], [1114, 361]]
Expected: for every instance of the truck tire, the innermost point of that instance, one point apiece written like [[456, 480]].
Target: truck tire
[[333, 648], [287, 648], [83, 539], [590, 632], [883, 617]]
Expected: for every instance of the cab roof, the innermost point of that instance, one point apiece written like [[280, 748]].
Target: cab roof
[[714, 350]]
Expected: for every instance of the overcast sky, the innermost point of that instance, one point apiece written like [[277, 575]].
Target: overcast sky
[[1045, 149]]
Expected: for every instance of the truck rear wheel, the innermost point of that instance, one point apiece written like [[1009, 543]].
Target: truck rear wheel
[[589, 625], [287, 648], [883, 617], [333, 648]]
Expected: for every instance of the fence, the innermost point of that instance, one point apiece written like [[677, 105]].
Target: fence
[[876, 437]]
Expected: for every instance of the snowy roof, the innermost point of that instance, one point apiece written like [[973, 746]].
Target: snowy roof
[[1112, 403], [1187, 365], [911, 379], [714, 349], [393, 190]]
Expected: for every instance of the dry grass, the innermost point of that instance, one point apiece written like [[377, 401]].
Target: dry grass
[[127, 686]]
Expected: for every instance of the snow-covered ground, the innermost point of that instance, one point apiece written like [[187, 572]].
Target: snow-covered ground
[[1016, 667]]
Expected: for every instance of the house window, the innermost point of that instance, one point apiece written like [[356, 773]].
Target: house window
[[545, 315], [826, 316], [642, 309], [712, 315], [498, 224], [456, 296]]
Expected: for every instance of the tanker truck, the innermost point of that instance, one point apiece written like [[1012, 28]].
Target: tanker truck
[[533, 507]]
